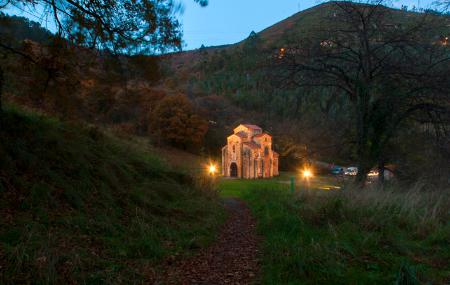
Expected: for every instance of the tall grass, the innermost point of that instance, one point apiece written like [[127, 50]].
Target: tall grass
[[416, 208], [352, 236]]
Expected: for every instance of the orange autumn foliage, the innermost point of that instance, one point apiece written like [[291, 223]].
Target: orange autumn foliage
[[175, 121]]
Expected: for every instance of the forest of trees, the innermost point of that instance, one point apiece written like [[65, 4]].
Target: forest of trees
[[349, 83], [79, 80]]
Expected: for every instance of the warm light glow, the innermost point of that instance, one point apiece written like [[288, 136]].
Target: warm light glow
[[212, 169], [281, 53], [307, 173]]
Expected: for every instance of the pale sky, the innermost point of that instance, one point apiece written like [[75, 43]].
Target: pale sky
[[230, 21]]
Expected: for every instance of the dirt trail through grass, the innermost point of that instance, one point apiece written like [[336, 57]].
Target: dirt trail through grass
[[232, 259]]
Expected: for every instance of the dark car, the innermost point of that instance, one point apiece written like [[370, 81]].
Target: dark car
[[337, 170]]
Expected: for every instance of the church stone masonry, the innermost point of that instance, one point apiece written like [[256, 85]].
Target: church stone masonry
[[249, 154]]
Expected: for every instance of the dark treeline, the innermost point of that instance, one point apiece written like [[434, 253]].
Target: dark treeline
[[15, 29]]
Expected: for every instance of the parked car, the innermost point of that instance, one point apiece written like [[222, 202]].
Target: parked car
[[352, 171], [337, 170]]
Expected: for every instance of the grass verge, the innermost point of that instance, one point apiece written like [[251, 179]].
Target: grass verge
[[349, 236], [81, 206]]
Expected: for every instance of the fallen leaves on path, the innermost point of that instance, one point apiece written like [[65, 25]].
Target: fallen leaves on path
[[232, 259]]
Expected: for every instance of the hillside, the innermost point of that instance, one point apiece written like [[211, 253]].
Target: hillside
[[274, 35], [298, 25], [78, 205], [244, 82], [14, 30], [224, 86]]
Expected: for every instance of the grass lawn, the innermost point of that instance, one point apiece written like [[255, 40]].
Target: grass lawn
[[347, 236], [240, 187]]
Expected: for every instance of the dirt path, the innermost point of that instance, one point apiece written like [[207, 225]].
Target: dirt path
[[232, 259]]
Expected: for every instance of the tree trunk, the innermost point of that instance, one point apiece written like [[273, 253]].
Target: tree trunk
[[381, 169], [1, 93], [362, 127], [363, 170]]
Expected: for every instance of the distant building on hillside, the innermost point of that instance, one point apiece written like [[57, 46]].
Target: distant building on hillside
[[249, 154]]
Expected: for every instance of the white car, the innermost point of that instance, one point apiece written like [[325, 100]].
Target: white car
[[352, 171]]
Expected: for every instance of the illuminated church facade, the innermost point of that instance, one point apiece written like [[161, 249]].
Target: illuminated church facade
[[249, 154]]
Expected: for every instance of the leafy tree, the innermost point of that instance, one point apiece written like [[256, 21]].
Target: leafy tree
[[175, 121]]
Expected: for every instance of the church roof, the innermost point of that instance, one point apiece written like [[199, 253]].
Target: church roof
[[252, 145], [241, 134], [261, 135], [253, 127]]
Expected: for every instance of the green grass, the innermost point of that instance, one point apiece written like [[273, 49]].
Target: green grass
[[349, 236], [78, 205], [240, 187]]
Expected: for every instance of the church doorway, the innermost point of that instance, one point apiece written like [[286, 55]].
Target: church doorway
[[233, 170]]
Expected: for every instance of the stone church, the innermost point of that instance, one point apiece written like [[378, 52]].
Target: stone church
[[249, 154]]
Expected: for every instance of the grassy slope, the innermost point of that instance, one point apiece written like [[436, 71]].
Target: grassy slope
[[347, 237], [77, 205]]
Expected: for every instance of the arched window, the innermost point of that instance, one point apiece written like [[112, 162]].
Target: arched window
[[234, 148], [266, 150]]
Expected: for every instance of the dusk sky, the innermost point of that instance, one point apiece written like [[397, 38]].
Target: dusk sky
[[230, 21]]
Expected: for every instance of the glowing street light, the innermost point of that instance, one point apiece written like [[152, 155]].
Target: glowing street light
[[307, 173], [212, 169]]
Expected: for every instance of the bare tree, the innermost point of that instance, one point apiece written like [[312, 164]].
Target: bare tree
[[392, 67]]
